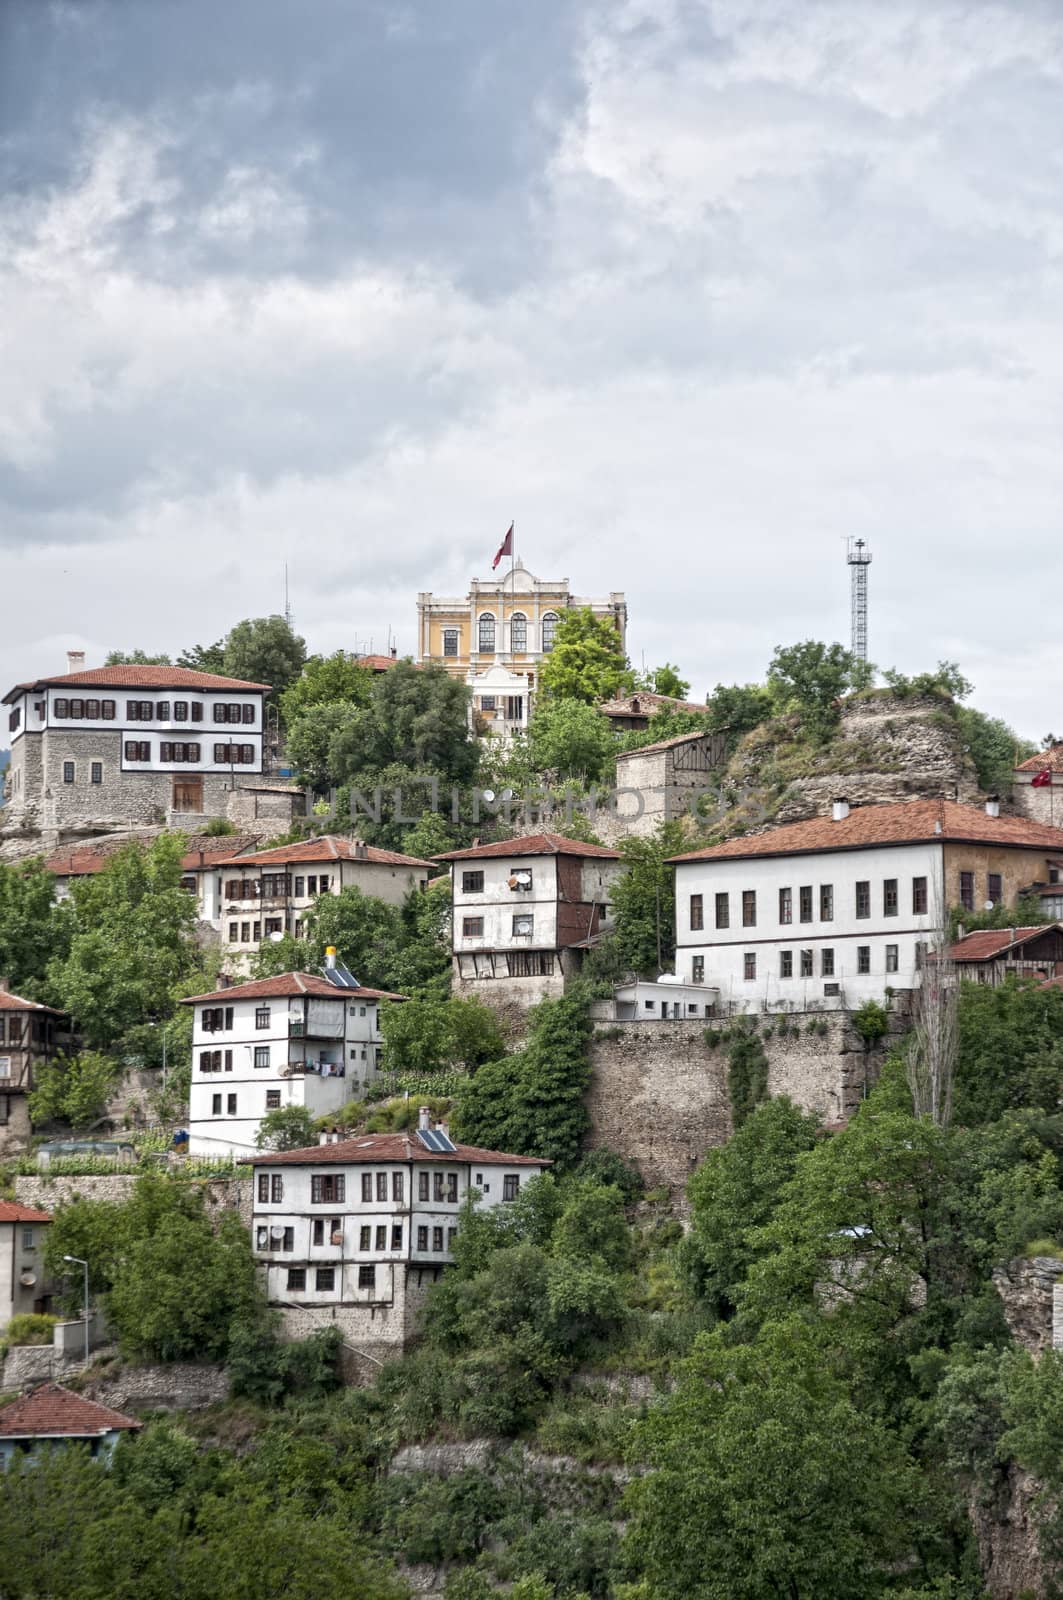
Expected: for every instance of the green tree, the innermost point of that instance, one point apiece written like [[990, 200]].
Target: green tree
[[132, 945], [326, 680], [750, 1459], [418, 719], [286, 1128], [531, 1102], [204, 657], [587, 661], [172, 1283], [1010, 1050], [134, 658], [735, 1192], [738, 708], [33, 929], [311, 734], [810, 678], [644, 900], [994, 747], [571, 738], [265, 650], [432, 1035], [666, 680], [73, 1090], [945, 680]]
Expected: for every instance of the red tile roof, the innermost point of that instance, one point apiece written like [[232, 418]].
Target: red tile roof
[[329, 847], [899, 822], [289, 984], [15, 1002], [11, 1211], [52, 1412], [633, 705], [376, 663], [1051, 758], [388, 1147], [130, 677], [986, 943], [85, 859], [534, 844]]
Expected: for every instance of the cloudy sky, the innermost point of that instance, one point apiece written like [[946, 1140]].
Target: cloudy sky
[[690, 288]]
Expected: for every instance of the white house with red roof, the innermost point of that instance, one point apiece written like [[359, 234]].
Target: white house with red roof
[[524, 910], [836, 910], [300, 1039], [53, 1415], [268, 892], [22, 1279], [27, 1038], [115, 746], [350, 1233], [201, 865]]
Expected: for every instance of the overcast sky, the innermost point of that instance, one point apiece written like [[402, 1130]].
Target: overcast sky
[[690, 288]]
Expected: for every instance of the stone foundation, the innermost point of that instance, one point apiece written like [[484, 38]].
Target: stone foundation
[[659, 1094]]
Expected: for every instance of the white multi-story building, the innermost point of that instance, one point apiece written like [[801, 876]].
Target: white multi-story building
[[294, 1040], [348, 1231], [201, 867], [523, 911], [129, 744], [269, 892], [836, 910]]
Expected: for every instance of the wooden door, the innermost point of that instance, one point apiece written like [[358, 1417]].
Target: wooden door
[[188, 794]]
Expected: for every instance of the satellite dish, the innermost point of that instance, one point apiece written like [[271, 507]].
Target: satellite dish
[[276, 937], [488, 795], [276, 1233], [28, 1279], [989, 905], [507, 794]]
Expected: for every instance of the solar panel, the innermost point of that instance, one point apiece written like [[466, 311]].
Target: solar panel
[[435, 1139], [340, 977]]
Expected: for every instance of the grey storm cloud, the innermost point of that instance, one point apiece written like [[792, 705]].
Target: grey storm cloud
[[347, 286]]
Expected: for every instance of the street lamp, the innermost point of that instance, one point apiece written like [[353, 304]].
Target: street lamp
[[85, 1269]]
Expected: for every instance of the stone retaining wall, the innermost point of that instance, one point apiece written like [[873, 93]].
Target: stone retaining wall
[[49, 1193], [659, 1093], [171, 1386]]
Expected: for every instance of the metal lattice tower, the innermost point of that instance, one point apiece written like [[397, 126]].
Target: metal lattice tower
[[859, 558]]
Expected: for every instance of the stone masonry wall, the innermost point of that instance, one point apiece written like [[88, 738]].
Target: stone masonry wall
[[220, 1194], [169, 1386], [659, 1093]]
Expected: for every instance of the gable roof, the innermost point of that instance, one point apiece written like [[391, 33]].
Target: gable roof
[[987, 943], [633, 705], [290, 985], [52, 1412], [666, 744], [329, 847], [896, 822], [15, 1002], [387, 1147], [533, 844], [11, 1211], [1052, 758], [204, 849], [136, 677]]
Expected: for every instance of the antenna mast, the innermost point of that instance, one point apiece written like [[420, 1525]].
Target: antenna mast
[[858, 557], [289, 619]]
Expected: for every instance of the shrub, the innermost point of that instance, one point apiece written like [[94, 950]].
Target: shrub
[[218, 826], [30, 1327], [871, 1022]]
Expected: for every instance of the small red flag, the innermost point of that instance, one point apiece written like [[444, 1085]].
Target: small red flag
[[504, 549], [1043, 779]]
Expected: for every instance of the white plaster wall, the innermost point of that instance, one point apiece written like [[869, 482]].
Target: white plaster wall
[[497, 904], [724, 949]]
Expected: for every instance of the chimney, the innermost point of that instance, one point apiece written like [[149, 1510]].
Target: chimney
[[635, 704], [323, 1136], [992, 805], [361, 850], [4, 986], [394, 652], [75, 661], [839, 809], [937, 825], [224, 981], [424, 1118], [1011, 931], [961, 932], [330, 956], [443, 1129]]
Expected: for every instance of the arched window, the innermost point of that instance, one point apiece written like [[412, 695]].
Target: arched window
[[487, 632], [549, 629], [518, 632]]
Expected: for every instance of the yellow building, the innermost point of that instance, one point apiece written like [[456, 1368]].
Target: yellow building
[[509, 621]]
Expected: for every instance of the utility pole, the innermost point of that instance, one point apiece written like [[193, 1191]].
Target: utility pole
[[78, 1262]]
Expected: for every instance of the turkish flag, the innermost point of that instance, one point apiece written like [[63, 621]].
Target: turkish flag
[[504, 549], [1043, 779]]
